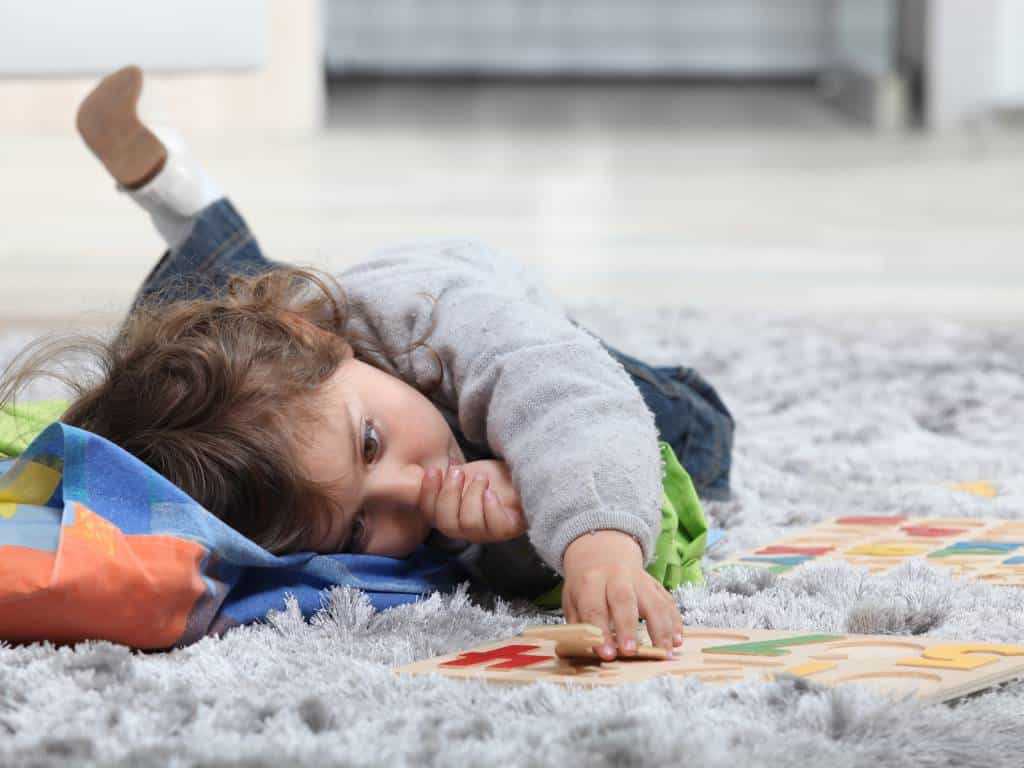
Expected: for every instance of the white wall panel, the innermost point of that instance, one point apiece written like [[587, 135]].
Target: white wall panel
[[56, 37], [1009, 67]]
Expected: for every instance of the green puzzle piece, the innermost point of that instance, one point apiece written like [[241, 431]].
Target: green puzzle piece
[[772, 647]]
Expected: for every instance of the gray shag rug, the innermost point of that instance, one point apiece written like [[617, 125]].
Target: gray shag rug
[[835, 417]]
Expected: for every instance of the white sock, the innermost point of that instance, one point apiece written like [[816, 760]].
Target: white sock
[[177, 193]]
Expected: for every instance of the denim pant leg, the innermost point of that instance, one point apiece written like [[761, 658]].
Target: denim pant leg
[[220, 245], [689, 416]]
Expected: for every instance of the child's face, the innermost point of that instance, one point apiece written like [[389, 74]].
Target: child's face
[[377, 438]]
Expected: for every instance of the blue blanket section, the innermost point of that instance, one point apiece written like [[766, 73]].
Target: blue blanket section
[[243, 581]]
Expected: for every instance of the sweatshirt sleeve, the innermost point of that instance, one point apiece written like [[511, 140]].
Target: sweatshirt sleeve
[[542, 393]]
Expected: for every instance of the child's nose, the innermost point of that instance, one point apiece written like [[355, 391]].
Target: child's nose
[[401, 485]]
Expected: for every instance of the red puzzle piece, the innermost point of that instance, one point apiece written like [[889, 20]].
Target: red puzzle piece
[[871, 520], [927, 530], [514, 655], [781, 549]]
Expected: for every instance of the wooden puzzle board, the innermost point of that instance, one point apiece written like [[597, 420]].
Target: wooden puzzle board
[[985, 549], [933, 670]]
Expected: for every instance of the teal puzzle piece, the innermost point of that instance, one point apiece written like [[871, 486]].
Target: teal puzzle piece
[[779, 559], [977, 548]]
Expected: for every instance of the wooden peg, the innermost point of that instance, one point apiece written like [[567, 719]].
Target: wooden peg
[[577, 641]]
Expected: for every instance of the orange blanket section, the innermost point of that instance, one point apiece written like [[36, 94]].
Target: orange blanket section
[[101, 584]]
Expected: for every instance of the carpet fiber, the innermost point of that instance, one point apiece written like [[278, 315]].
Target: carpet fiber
[[835, 417]]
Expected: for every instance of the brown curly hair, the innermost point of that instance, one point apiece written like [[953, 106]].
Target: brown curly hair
[[213, 393]]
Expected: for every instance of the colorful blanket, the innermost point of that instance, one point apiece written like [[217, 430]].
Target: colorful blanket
[[95, 544]]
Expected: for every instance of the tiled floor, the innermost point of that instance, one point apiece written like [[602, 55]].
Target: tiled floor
[[726, 196]]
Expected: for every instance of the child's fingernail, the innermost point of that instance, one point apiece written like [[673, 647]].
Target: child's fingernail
[[677, 638], [455, 475], [607, 650], [631, 645]]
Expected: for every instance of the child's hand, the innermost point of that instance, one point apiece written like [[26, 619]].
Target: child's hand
[[475, 501], [606, 584]]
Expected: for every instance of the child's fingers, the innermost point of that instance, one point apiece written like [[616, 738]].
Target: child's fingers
[[472, 522], [449, 499], [625, 613], [678, 630], [503, 523], [661, 625], [675, 617], [569, 605], [427, 501], [592, 608]]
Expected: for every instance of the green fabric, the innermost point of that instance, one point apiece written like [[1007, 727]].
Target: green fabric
[[19, 424], [684, 531]]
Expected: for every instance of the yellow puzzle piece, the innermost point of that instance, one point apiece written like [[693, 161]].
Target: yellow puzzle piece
[[979, 488], [887, 550]]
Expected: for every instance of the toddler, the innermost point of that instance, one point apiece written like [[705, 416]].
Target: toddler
[[435, 394]]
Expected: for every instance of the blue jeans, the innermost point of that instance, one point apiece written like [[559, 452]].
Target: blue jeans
[[688, 413]]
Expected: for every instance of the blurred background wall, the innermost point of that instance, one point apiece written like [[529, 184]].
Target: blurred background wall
[[808, 155], [887, 62]]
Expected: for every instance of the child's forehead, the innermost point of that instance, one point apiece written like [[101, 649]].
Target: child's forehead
[[343, 384], [327, 445]]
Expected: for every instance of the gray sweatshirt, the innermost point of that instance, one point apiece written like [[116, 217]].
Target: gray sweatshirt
[[521, 379]]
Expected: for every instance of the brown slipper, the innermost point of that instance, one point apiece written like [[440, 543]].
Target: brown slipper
[[110, 126]]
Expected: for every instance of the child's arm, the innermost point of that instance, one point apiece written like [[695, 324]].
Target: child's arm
[[542, 393]]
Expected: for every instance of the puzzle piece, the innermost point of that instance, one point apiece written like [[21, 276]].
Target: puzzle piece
[[929, 531], [979, 488], [771, 647], [965, 657], [508, 656], [871, 520], [779, 560], [887, 550], [577, 641], [810, 668], [777, 549], [977, 548]]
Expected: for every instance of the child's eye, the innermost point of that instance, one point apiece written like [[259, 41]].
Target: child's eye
[[370, 438]]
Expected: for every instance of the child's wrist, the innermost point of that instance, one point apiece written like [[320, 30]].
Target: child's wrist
[[606, 544]]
